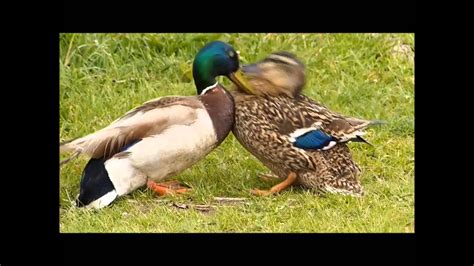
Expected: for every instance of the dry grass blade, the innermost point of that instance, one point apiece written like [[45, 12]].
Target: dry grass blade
[[225, 200], [180, 206]]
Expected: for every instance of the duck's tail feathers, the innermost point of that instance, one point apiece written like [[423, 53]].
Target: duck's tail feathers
[[69, 146], [360, 139], [73, 156]]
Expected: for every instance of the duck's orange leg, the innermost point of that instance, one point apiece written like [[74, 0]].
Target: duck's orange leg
[[290, 180], [167, 188]]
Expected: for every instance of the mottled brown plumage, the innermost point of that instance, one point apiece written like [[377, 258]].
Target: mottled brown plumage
[[264, 122]]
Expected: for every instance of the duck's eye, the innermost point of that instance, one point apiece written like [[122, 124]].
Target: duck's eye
[[231, 54]]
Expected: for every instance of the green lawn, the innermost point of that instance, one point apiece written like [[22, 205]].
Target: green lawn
[[369, 76]]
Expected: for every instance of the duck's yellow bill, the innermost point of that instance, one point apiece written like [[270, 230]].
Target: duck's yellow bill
[[238, 77]]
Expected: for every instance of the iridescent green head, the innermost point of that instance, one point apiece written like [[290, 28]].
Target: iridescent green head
[[217, 59]]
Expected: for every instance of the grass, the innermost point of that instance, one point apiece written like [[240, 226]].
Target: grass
[[363, 75]]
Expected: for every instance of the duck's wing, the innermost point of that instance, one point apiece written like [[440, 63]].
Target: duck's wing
[[324, 128], [151, 118]]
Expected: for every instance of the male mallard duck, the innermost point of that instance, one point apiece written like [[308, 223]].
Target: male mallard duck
[[298, 139], [162, 137]]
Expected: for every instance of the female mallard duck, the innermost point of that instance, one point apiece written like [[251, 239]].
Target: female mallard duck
[[162, 137], [298, 139]]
